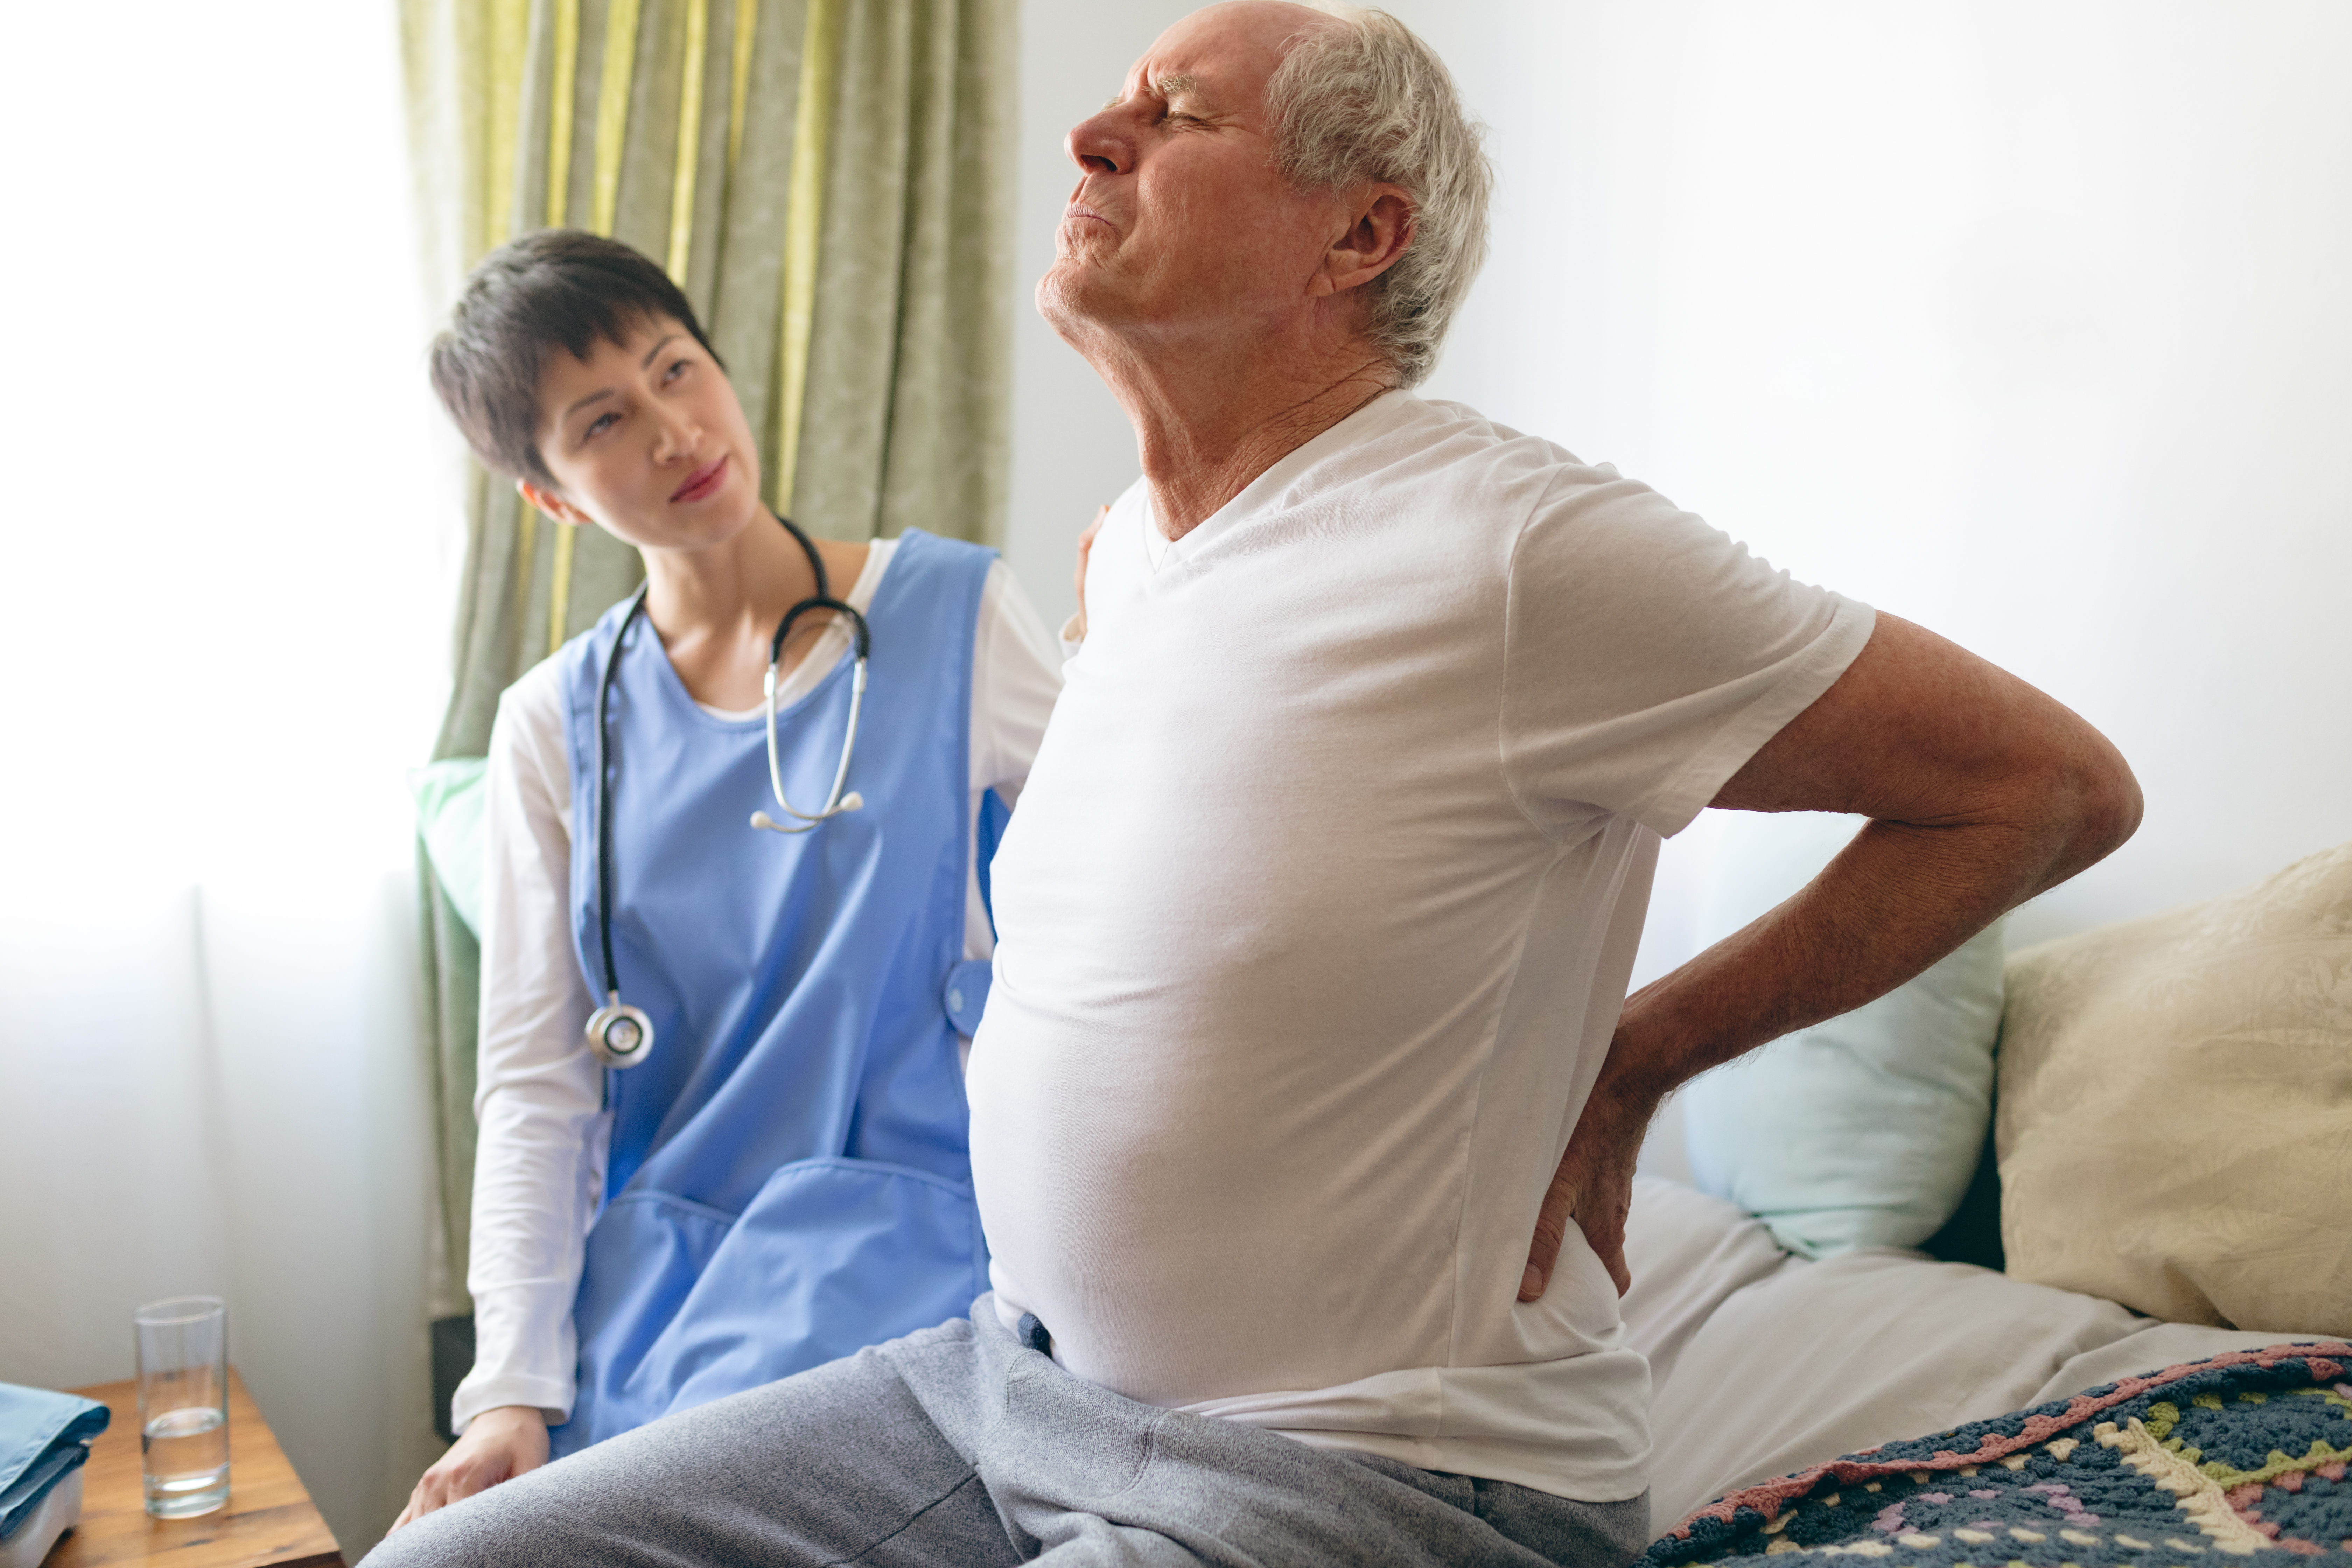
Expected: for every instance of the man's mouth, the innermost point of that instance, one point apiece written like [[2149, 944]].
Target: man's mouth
[[1078, 211], [703, 480]]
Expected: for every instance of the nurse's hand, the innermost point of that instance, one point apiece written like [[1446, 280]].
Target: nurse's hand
[[1075, 630], [497, 1445]]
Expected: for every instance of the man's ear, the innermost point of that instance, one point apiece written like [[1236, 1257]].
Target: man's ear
[[552, 504], [1382, 226]]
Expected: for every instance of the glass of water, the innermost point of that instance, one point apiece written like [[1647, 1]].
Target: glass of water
[[184, 1404]]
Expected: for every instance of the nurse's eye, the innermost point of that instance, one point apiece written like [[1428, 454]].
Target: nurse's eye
[[598, 426], [676, 370]]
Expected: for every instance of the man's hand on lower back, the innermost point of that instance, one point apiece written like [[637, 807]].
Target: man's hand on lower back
[[1592, 1189], [1980, 792]]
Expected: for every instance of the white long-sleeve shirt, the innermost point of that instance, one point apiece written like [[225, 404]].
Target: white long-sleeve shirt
[[538, 1163]]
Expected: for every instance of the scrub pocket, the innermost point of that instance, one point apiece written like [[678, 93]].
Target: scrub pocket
[[681, 1303]]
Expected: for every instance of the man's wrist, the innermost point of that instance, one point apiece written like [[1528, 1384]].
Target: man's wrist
[[1623, 1109], [1634, 1079]]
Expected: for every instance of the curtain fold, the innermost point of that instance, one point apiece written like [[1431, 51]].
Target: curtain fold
[[906, 423], [830, 182]]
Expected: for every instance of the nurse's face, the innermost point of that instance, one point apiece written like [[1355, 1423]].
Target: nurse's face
[[644, 438]]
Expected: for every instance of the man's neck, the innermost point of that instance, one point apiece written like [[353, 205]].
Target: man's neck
[[1204, 437]]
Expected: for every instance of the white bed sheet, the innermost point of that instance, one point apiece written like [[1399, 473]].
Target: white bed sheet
[[1762, 1363]]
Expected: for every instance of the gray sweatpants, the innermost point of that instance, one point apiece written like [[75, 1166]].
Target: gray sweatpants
[[961, 1446]]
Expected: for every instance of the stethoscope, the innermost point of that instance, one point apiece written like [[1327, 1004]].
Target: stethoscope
[[620, 1035]]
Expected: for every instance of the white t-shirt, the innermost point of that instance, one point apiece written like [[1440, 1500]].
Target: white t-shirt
[[539, 1165], [1317, 920]]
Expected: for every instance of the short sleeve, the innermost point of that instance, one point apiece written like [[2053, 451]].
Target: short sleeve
[[1648, 655]]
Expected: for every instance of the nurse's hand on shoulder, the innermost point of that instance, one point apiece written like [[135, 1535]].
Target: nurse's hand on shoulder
[[497, 1445], [1074, 631]]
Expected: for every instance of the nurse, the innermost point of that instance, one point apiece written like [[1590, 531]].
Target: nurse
[[777, 1174]]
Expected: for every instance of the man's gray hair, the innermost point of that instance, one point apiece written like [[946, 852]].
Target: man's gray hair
[[1365, 99]]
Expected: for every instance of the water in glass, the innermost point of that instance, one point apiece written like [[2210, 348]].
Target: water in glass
[[184, 1404], [185, 1460]]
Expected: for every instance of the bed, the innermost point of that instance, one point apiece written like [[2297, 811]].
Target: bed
[[1762, 1363], [2172, 1129]]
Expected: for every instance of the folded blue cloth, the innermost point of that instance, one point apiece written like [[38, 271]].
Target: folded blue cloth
[[42, 1436]]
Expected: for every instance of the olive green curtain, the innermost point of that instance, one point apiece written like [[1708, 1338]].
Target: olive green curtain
[[830, 182]]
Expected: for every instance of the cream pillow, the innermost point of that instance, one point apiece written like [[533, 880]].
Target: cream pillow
[[2174, 1112]]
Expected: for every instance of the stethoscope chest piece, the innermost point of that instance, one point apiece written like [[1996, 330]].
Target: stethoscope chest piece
[[620, 1035]]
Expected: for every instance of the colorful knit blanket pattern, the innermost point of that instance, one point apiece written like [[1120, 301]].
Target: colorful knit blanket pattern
[[2245, 1453]]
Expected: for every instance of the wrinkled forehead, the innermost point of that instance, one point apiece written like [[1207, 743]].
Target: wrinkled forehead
[[1222, 54]]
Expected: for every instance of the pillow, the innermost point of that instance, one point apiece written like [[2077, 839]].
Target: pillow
[[450, 806], [1863, 1131], [2176, 1108]]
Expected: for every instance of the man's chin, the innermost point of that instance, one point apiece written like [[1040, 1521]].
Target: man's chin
[[1074, 301]]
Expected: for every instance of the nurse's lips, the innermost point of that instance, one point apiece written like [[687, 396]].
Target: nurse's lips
[[703, 480]]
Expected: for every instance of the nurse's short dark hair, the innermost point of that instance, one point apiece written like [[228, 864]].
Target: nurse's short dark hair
[[557, 288]]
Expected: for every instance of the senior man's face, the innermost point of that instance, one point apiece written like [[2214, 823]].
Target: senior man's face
[[1179, 222]]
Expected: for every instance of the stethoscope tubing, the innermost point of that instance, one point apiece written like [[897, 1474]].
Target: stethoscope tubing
[[835, 801], [620, 1035]]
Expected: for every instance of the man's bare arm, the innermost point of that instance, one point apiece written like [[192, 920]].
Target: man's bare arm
[[1982, 791]]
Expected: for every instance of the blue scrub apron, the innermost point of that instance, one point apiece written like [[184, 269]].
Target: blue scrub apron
[[789, 1178]]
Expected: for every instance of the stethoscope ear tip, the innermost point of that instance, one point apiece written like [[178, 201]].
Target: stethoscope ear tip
[[853, 801]]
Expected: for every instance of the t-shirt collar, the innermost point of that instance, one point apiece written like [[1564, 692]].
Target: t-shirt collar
[[1263, 492]]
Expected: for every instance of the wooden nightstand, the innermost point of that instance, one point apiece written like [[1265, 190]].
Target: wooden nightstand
[[268, 1520]]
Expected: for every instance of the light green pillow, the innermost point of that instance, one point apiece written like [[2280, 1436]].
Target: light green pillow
[[451, 802], [1864, 1130]]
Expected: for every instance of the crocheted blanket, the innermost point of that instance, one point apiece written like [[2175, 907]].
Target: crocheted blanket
[[2241, 1454]]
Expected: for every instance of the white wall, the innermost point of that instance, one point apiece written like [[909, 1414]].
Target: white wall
[[2027, 323], [229, 555]]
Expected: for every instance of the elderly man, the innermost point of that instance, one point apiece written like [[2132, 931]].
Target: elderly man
[[1306, 1106]]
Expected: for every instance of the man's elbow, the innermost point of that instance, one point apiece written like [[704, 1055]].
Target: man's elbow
[[2096, 803]]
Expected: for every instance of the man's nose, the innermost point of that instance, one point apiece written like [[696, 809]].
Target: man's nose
[[1099, 145]]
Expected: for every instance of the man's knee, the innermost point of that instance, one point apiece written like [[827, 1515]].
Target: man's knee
[[818, 1466], [507, 1524]]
